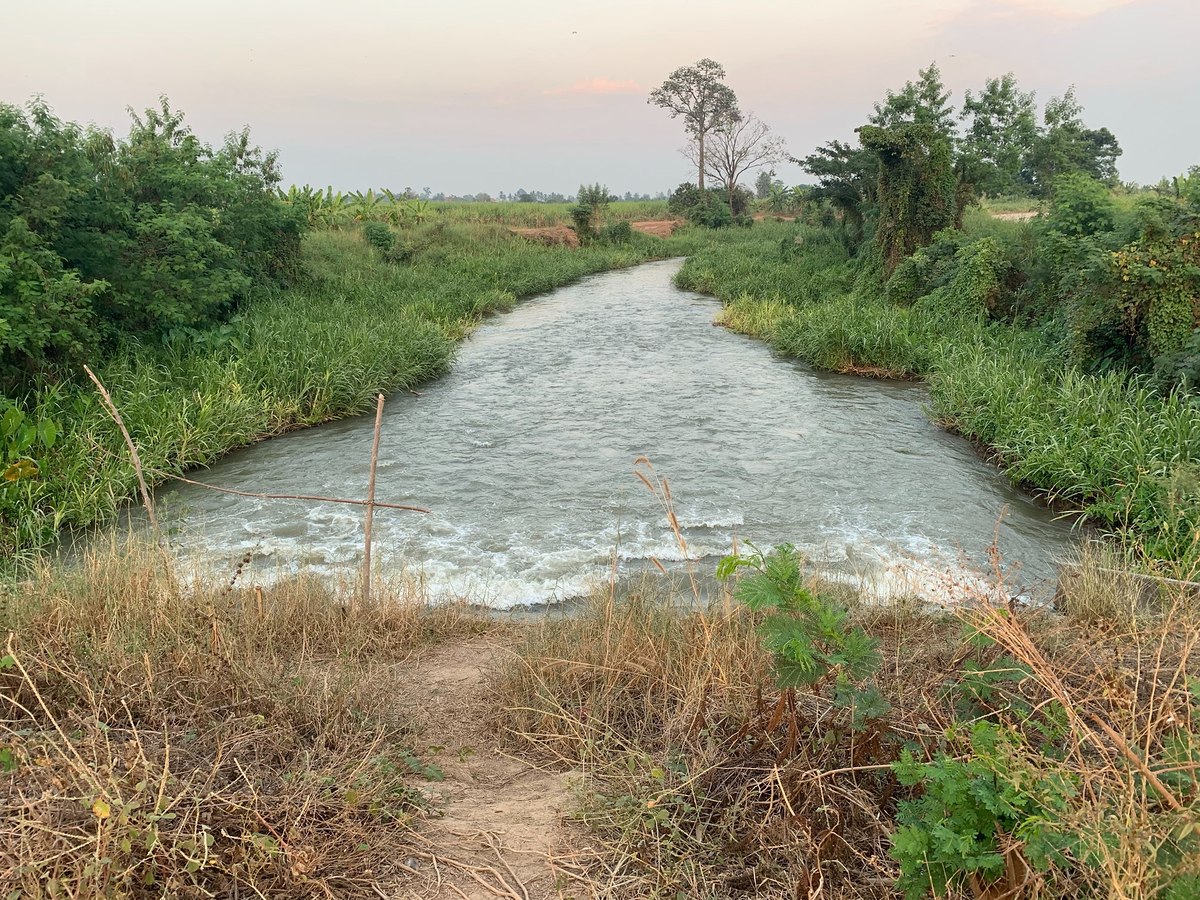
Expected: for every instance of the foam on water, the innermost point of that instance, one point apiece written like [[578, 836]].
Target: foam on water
[[525, 453]]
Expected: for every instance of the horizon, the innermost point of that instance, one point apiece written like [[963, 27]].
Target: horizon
[[550, 97]]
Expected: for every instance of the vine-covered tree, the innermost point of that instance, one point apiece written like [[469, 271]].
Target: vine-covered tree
[[699, 95], [916, 190]]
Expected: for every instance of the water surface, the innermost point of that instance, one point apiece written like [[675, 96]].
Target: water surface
[[525, 454]]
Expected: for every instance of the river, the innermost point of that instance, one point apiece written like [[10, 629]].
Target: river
[[525, 454]]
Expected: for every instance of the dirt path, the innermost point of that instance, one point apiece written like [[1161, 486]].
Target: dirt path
[[501, 818]]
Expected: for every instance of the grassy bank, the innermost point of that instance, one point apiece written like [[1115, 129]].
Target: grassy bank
[[1110, 446], [220, 741], [357, 324], [215, 742], [1007, 755]]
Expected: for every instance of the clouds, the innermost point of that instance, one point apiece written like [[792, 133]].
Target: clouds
[[1053, 9], [601, 85]]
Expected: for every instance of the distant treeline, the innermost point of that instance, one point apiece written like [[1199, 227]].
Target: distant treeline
[[104, 240], [518, 196]]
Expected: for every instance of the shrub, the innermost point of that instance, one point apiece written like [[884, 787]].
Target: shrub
[[379, 236], [617, 233]]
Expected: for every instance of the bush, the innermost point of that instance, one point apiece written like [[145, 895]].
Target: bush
[[103, 240], [379, 236], [588, 212], [617, 233]]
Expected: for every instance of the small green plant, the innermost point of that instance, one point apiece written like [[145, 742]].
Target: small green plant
[[617, 233], [588, 211], [19, 439], [812, 640], [981, 819]]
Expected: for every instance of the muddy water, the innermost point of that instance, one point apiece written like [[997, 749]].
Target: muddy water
[[525, 453]]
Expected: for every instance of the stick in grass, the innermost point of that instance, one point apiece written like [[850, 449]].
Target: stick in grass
[[133, 452], [370, 517]]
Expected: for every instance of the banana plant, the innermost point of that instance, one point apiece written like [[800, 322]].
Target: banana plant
[[396, 212], [419, 209], [365, 207]]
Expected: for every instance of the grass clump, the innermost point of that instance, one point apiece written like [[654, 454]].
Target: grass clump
[[208, 742]]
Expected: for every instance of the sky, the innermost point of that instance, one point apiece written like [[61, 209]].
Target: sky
[[464, 96]]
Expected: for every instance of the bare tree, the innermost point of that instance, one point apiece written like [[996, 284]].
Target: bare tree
[[698, 94], [736, 147]]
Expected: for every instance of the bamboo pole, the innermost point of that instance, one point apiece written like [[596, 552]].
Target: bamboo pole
[[133, 452], [370, 517]]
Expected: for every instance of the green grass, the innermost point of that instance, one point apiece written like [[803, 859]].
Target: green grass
[[540, 215], [1124, 455], [358, 325]]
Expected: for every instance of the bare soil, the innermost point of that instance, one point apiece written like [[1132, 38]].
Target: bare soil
[[657, 228], [551, 235], [1016, 216], [496, 826]]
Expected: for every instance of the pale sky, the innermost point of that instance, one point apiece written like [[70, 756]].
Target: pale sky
[[471, 95]]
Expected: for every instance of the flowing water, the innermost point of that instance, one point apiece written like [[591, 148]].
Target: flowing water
[[525, 455]]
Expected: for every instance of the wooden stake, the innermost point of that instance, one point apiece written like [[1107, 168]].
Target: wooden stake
[[366, 576], [137, 460]]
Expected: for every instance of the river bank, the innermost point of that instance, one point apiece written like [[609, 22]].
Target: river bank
[[358, 324], [234, 740], [1111, 446]]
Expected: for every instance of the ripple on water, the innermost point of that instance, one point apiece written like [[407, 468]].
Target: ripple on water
[[525, 451]]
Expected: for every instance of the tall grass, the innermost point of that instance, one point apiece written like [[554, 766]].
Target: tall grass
[[1110, 447], [703, 778], [359, 324]]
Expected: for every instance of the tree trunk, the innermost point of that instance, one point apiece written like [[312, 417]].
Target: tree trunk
[[700, 140]]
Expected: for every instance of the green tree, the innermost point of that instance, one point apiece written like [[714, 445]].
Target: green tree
[[1000, 137], [1066, 144], [847, 177], [925, 101], [699, 95], [763, 184]]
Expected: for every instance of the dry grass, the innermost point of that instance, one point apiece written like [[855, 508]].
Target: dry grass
[[208, 742], [703, 779]]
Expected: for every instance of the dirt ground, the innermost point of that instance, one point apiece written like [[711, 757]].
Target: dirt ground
[[658, 228], [554, 234], [1015, 216], [496, 824]]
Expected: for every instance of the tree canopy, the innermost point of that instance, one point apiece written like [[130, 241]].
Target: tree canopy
[[698, 94]]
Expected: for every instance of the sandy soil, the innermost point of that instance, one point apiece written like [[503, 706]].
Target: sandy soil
[[1015, 216], [496, 828]]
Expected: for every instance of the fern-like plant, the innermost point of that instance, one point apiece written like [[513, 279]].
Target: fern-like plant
[[811, 637]]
